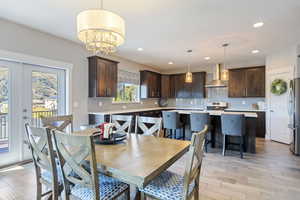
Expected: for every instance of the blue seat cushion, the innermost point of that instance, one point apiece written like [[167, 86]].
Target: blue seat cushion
[[47, 176], [167, 186], [109, 188]]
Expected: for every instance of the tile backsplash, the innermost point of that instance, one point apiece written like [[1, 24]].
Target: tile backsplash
[[101, 104], [215, 95]]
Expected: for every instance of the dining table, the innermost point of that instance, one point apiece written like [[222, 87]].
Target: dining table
[[138, 159]]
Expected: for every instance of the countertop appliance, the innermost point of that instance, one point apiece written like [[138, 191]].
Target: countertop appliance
[[216, 105], [294, 114]]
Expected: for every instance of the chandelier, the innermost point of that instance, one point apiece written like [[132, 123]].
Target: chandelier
[[100, 30]]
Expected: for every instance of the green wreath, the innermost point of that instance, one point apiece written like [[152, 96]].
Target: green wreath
[[278, 86]]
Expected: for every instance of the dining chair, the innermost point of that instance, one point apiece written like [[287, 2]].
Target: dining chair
[[47, 174], [122, 122], [171, 186], [233, 125], [198, 122], [148, 125], [58, 122], [73, 152], [171, 122]]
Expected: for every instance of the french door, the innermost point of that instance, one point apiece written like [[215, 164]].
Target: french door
[[27, 93]]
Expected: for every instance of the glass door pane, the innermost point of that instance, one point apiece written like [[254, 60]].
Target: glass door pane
[[4, 136], [44, 96]]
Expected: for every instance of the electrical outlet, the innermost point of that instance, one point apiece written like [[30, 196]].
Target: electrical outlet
[[243, 102], [124, 107], [155, 102], [142, 102], [100, 104]]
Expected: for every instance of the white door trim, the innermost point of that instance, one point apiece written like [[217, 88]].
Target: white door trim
[[44, 62]]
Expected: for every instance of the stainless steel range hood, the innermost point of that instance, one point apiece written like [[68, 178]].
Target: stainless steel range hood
[[217, 82]]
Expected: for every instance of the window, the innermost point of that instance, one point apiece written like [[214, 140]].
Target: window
[[128, 90]]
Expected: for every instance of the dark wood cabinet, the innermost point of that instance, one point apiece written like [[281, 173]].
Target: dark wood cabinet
[[247, 82], [196, 89], [198, 85], [150, 84], [236, 83], [255, 82], [154, 85], [103, 77], [165, 86]]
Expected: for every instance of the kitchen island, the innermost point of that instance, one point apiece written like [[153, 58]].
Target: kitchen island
[[215, 133]]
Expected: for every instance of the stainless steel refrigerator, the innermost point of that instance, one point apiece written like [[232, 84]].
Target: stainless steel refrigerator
[[294, 114]]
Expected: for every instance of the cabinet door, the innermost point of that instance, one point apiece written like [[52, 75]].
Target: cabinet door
[[255, 82], [179, 86], [101, 79], [236, 85], [187, 91], [165, 86], [111, 79], [158, 85], [198, 85], [172, 87]]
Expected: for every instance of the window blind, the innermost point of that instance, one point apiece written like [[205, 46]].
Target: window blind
[[128, 77]]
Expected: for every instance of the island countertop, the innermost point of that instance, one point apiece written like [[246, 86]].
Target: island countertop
[[177, 109]]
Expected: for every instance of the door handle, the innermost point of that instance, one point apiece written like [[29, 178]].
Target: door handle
[[25, 117], [271, 110]]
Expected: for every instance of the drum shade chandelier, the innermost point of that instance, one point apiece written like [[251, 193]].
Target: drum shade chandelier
[[100, 30]]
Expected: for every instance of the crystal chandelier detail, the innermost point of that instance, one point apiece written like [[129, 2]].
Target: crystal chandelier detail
[[100, 30]]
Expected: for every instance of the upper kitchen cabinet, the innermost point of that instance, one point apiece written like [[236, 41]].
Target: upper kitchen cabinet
[[247, 82], [165, 86], [198, 85], [150, 84], [103, 77], [255, 82], [196, 89]]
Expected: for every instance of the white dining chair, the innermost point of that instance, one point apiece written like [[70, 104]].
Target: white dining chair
[[171, 186], [122, 122], [88, 183], [148, 125], [43, 156]]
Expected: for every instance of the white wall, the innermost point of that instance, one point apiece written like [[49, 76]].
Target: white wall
[[281, 61], [21, 39]]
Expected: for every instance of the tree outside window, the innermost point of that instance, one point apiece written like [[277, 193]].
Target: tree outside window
[[127, 93]]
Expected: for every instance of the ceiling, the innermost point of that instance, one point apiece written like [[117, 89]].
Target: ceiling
[[165, 29]]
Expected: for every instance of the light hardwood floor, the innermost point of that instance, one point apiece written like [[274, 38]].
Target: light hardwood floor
[[272, 173]]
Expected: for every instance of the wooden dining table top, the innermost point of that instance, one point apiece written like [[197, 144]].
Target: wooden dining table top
[[138, 159]]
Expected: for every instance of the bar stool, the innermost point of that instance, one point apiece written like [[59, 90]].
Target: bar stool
[[198, 122], [171, 122], [233, 125]]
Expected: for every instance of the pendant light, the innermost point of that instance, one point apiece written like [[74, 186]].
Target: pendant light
[[224, 74], [100, 30], [189, 75]]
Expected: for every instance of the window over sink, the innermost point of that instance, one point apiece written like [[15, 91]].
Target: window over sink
[[128, 88]]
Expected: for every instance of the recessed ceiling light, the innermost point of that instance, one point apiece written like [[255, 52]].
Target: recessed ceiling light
[[170, 63], [140, 49], [255, 51], [258, 24], [207, 58]]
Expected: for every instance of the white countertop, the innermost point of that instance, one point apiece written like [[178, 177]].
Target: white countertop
[[244, 110], [216, 112], [130, 110], [178, 109]]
